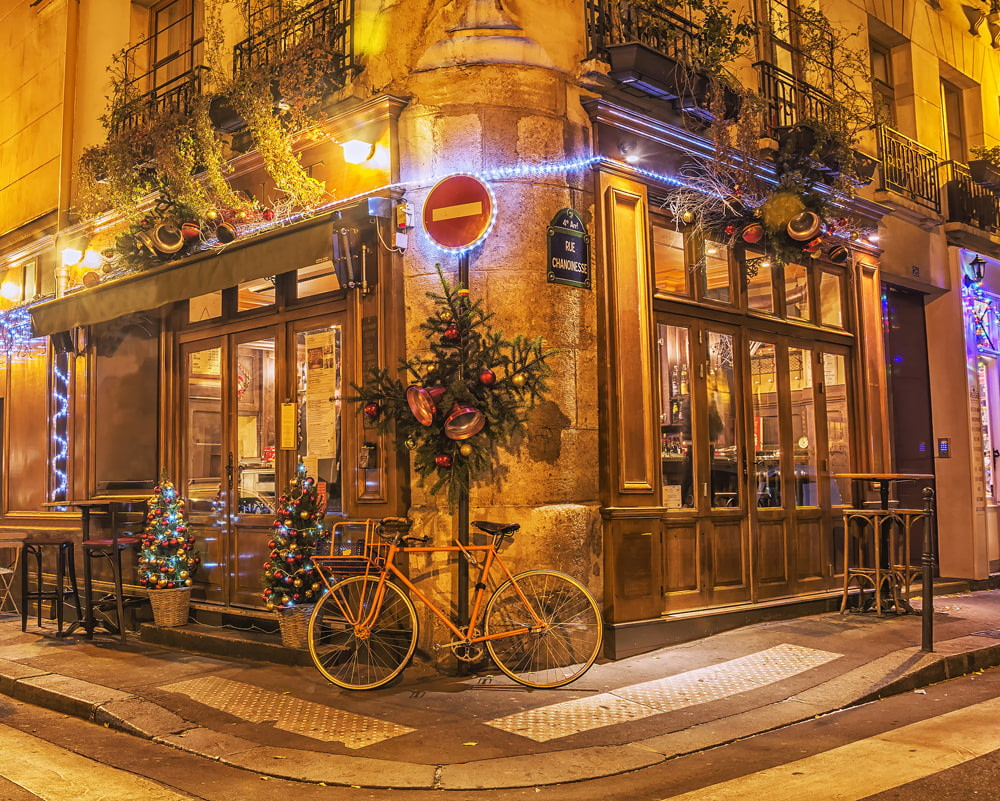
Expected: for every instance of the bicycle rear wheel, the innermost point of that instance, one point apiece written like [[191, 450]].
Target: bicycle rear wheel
[[358, 656], [567, 644]]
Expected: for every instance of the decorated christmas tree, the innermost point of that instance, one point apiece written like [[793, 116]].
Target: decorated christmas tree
[[290, 578], [166, 560], [469, 395]]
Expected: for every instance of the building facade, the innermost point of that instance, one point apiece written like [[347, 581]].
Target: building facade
[[717, 363]]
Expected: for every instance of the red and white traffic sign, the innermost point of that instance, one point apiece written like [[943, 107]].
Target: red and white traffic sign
[[459, 212]]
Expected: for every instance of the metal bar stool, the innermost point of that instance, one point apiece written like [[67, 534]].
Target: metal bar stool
[[33, 548], [10, 559], [110, 549]]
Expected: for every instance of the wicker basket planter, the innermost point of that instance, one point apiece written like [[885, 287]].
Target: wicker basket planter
[[294, 624], [170, 607]]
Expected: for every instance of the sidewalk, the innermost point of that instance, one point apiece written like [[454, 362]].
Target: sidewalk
[[454, 733]]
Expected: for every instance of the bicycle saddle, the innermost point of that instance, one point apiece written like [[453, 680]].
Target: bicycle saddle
[[502, 529]]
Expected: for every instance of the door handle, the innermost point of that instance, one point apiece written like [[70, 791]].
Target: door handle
[[229, 470]]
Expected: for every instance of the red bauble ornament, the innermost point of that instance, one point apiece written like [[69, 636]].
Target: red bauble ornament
[[487, 378], [451, 332], [730, 230], [268, 214], [371, 410], [442, 460]]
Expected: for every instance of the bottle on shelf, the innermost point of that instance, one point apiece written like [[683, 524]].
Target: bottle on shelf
[[674, 381], [684, 380], [675, 411]]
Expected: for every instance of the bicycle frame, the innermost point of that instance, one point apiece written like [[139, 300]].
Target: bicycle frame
[[464, 638]]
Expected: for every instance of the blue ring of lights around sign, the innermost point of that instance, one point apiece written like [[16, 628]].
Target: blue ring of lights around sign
[[487, 228]]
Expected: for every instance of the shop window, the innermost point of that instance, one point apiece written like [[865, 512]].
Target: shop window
[[256, 294], [205, 307], [715, 274], [831, 299], [766, 424], [796, 292], [758, 270], [675, 416], [319, 369], [125, 403], [669, 262], [838, 434], [316, 279], [803, 407], [724, 477]]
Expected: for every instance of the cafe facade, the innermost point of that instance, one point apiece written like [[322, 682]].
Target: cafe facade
[[683, 462]]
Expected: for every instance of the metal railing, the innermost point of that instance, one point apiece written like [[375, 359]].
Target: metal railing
[[613, 22], [163, 84], [909, 168], [969, 202], [789, 99], [273, 35]]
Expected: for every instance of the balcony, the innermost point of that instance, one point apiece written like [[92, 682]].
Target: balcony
[[272, 37], [970, 203], [611, 23], [909, 169], [790, 101], [162, 78]]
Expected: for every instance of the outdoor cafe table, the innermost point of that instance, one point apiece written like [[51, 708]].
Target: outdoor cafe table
[[884, 481]]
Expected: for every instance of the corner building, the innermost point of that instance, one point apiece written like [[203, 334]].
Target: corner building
[[704, 395]]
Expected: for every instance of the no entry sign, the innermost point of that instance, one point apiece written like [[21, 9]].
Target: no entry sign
[[459, 212]]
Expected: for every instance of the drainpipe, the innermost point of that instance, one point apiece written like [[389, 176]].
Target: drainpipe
[[66, 144]]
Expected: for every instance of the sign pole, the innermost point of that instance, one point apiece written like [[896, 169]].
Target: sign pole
[[463, 498]]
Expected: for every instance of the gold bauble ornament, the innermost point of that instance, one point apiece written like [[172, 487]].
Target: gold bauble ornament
[[687, 216], [315, 587], [411, 442], [465, 449], [270, 606], [293, 546], [297, 582], [241, 216], [285, 600], [447, 316], [212, 214], [188, 583], [304, 515], [518, 380]]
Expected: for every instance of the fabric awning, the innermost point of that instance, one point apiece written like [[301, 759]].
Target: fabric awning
[[272, 253]]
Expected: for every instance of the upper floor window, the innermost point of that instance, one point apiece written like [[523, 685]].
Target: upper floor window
[[952, 123], [798, 44], [882, 82]]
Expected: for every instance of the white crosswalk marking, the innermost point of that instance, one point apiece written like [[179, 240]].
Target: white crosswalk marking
[[891, 759], [55, 774], [289, 713], [664, 695]]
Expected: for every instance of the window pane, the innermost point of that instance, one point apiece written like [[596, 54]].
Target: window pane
[[668, 260], [675, 417], [724, 477], [766, 424], [318, 366], [837, 426], [316, 279], [255, 294], [831, 300], [760, 295], [796, 292], [205, 307], [715, 275], [803, 426], [204, 430], [255, 425]]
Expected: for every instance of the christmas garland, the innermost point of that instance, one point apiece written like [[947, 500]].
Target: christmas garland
[[453, 408]]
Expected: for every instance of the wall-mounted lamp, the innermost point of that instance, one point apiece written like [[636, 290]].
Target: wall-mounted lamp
[[975, 270], [629, 149], [357, 151]]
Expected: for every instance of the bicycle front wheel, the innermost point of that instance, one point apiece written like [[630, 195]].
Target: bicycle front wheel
[[354, 648], [566, 644]]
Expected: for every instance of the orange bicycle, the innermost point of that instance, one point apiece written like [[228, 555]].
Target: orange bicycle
[[541, 627]]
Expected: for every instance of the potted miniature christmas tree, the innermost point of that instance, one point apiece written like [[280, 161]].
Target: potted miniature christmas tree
[[291, 580], [166, 561]]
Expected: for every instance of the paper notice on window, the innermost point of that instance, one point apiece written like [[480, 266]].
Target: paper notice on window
[[289, 440], [672, 496], [322, 380]]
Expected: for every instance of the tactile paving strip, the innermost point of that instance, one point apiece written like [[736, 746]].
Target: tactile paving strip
[[288, 713], [664, 695]]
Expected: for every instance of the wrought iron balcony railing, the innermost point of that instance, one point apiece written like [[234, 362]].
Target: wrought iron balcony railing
[[909, 168], [790, 100], [159, 79], [614, 22], [271, 37], [970, 202]]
